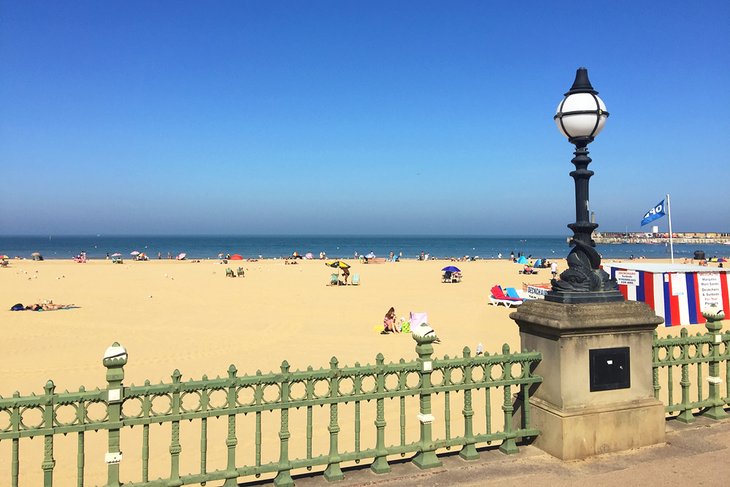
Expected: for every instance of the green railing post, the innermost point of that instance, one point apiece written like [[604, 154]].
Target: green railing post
[[426, 458], [380, 464], [685, 416], [714, 325], [231, 440], [509, 445], [48, 461], [469, 450], [283, 477], [115, 358], [333, 471], [15, 455], [175, 447]]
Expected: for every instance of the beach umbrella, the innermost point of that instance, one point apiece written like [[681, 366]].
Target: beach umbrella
[[338, 264], [721, 259], [181, 256], [4, 256], [308, 255], [134, 252], [451, 268], [236, 257], [117, 254], [370, 256], [35, 254]]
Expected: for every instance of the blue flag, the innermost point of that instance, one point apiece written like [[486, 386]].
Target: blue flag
[[654, 213]]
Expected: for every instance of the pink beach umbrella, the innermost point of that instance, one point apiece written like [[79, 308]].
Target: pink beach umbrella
[[134, 252]]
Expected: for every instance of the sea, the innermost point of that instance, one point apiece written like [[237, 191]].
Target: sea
[[262, 246]]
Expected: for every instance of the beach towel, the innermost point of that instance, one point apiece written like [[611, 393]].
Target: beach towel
[[417, 319]]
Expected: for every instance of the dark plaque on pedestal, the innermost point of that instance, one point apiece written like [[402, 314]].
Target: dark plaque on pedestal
[[609, 369]]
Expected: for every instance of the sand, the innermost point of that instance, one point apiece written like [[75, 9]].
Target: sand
[[188, 316]]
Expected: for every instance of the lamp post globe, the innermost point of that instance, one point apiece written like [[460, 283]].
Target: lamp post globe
[[581, 115]]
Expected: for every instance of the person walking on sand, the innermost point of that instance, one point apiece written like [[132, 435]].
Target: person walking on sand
[[389, 322], [554, 269]]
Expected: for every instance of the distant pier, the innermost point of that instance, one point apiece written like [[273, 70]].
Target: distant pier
[[661, 238]]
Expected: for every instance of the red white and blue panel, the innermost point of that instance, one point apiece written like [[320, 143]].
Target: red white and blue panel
[[678, 297]]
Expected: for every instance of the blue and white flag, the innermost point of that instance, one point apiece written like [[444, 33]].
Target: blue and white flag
[[654, 213]]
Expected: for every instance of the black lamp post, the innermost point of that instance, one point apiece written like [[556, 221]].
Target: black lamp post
[[580, 117]]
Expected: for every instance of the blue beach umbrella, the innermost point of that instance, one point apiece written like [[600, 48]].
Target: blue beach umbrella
[[451, 268]]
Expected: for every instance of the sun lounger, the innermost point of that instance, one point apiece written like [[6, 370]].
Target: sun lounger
[[229, 272], [515, 293], [334, 279], [355, 280], [239, 272], [499, 297]]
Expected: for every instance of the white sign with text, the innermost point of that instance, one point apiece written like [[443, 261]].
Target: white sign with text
[[628, 278]]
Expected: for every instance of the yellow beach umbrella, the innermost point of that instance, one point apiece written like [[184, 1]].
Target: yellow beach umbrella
[[338, 264]]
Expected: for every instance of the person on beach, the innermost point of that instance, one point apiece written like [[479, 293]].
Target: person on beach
[[45, 306], [389, 322], [345, 275], [554, 269]]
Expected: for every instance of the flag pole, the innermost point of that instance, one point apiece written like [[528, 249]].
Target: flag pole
[[669, 215]]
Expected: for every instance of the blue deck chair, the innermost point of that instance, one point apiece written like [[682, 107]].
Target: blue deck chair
[[512, 293]]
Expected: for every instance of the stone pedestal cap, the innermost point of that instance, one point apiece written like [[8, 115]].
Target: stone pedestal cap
[[559, 319]]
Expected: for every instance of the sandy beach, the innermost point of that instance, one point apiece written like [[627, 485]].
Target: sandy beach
[[190, 316]]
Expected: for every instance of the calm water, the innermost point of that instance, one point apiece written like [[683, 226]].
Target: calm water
[[203, 247]]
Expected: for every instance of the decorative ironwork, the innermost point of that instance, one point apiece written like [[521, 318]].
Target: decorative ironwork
[[363, 389], [702, 356]]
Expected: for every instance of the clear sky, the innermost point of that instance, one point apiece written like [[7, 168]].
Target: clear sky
[[357, 117]]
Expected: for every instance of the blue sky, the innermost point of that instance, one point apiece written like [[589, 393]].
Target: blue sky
[[386, 117]]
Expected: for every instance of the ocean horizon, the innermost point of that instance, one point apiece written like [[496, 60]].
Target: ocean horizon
[[334, 246]]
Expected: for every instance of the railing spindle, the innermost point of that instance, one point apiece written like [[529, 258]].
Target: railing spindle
[[509, 445], [468, 451], [175, 447], [283, 476], [333, 470], [380, 464]]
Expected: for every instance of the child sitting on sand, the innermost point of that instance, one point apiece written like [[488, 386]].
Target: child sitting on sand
[[389, 325]]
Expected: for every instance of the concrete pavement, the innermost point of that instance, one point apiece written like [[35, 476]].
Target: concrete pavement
[[696, 455]]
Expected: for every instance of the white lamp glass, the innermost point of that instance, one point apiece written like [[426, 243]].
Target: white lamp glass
[[577, 114]]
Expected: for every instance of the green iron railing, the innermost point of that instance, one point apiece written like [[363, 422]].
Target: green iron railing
[[366, 391], [704, 357]]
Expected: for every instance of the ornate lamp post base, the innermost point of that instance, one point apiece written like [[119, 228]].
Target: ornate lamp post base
[[580, 297]]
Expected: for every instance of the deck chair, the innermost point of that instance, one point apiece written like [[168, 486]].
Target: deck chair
[[355, 280], [229, 272], [334, 279], [446, 277], [239, 272], [514, 293], [499, 297]]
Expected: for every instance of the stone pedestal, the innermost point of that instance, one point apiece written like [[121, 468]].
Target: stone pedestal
[[597, 393]]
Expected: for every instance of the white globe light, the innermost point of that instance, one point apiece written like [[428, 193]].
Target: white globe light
[[581, 114]]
